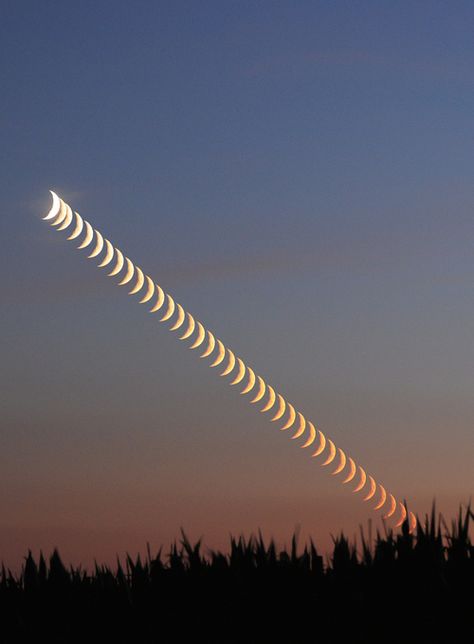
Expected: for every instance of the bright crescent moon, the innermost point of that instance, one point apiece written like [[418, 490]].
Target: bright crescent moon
[[61, 214], [98, 247], [342, 462], [220, 354], [55, 206], [363, 479], [149, 291], [128, 273], [412, 523], [352, 471], [159, 301], [200, 337], [190, 329], [118, 264], [302, 426], [372, 488], [170, 310], [88, 237], [402, 515], [78, 228], [109, 253], [271, 399], [179, 319], [139, 283], [311, 437], [210, 346], [230, 365], [251, 382], [322, 444], [281, 408], [291, 418], [393, 506], [331, 455], [383, 498], [67, 219], [261, 390], [240, 373]]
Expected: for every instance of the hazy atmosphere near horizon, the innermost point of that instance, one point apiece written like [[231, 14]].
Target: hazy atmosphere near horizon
[[300, 177]]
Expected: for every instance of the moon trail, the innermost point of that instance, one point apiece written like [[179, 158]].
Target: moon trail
[[60, 217]]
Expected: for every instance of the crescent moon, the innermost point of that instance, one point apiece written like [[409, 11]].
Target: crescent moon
[[170, 310], [251, 382], [322, 444], [139, 283], [128, 273], [210, 346], [200, 337], [291, 418], [98, 247], [109, 253], [67, 219], [363, 479], [342, 462], [88, 237], [403, 515], [302, 426], [271, 399], [393, 505], [240, 373], [311, 437], [372, 488], [412, 523], [179, 319], [159, 301], [61, 214], [150, 289], [261, 390], [118, 264], [55, 206], [220, 354], [352, 471], [190, 329], [331, 455], [78, 228], [281, 408], [383, 498], [230, 365]]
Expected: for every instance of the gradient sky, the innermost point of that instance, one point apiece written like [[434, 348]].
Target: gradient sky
[[299, 177]]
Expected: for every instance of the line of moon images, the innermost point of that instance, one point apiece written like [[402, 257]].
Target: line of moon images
[[253, 386]]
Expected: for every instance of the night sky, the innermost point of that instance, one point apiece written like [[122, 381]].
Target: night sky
[[300, 177]]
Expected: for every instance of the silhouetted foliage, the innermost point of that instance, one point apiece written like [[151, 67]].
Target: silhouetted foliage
[[411, 588]]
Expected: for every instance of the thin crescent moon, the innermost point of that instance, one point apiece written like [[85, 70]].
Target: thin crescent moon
[[220, 354], [311, 437], [322, 444], [98, 247], [281, 408], [139, 283], [261, 390], [55, 206], [109, 253], [170, 310], [352, 471], [61, 214], [291, 418], [88, 238], [372, 488], [190, 329], [331, 455], [149, 291], [393, 506], [249, 386], [179, 319], [413, 522], [67, 219], [342, 462], [78, 228], [128, 273], [402, 515], [200, 337], [383, 498], [271, 399], [302, 426], [240, 373], [210, 346], [159, 301], [363, 479], [118, 264], [230, 365]]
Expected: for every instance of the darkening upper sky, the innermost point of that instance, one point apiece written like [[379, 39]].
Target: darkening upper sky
[[300, 176]]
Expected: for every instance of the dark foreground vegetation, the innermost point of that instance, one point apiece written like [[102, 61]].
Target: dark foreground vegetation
[[401, 588]]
